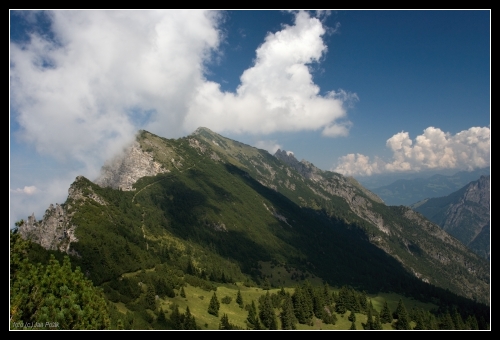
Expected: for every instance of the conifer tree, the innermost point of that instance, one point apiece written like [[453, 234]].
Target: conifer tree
[[182, 293], [369, 320], [352, 317], [151, 297], [377, 325], [282, 292], [403, 321], [176, 318], [287, 316], [161, 317], [224, 323], [266, 285], [252, 318], [297, 301], [446, 322], [471, 322], [353, 326], [362, 298], [257, 325], [457, 320], [340, 307], [214, 305], [191, 269], [318, 303], [302, 304], [430, 321], [266, 312], [239, 299], [189, 320], [334, 297], [327, 299], [385, 314]]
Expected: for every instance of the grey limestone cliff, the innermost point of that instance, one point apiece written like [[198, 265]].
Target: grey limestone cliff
[[125, 169], [55, 230], [465, 214]]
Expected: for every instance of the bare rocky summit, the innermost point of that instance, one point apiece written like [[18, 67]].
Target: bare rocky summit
[[125, 169]]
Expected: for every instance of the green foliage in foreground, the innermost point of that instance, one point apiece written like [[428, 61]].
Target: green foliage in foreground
[[52, 296]]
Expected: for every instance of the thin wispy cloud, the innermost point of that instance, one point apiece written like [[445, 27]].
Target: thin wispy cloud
[[27, 190]]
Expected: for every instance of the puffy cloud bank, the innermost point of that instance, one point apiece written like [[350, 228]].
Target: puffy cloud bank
[[434, 149], [278, 92], [83, 82], [81, 89]]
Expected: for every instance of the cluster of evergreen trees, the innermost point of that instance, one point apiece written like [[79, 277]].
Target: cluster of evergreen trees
[[178, 320], [52, 295], [308, 302]]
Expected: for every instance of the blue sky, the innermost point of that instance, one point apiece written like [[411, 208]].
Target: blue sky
[[364, 93]]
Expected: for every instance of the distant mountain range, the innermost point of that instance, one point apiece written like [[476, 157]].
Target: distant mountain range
[[464, 214], [410, 191]]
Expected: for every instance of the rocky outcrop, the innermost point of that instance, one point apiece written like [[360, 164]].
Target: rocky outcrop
[[124, 170], [305, 168], [338, 185], [53, 232], [465, 214]]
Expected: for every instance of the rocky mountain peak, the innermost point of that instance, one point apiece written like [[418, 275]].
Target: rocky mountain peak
[[465, 214], [306, 169], [479, 192], [125, 169], [54, 231]]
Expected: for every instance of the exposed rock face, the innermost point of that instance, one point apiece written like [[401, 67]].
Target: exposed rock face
[[124, 170], [477, 192], [52, 232], [306, 169], [465, 214], [55, 230], [338, 185]]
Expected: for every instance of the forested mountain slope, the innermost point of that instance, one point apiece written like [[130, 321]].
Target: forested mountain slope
[[220, 208]]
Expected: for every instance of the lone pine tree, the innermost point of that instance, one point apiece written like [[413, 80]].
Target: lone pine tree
[[213, 307], [239, 299]]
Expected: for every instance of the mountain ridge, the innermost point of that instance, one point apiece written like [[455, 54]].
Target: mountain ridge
[[215, 190], [465, 214]]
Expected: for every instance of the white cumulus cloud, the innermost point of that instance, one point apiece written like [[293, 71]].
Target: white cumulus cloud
[[82, 91], [85, 91], [84, 82], [432, 150], [277, 93]]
